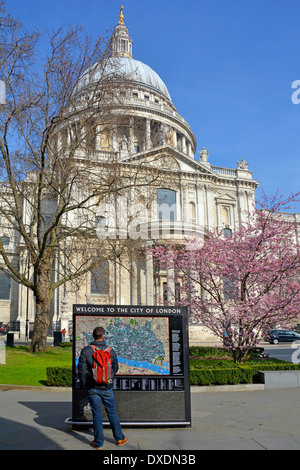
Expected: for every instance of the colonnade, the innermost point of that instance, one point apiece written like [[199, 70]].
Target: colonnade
[[147, 286], [109, 139]]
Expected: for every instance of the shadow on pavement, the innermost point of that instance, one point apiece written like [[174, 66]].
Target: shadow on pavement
[[14, 435]]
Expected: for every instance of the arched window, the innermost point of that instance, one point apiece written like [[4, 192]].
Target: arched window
[[105, 138], [229, 290], [225, 215], [90, 137], [100, 279], [166, 204], [192, 212]]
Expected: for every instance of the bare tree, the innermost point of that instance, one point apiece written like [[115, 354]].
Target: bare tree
[[52, 179]]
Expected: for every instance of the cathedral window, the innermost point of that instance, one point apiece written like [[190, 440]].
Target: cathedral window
[[100, 221], [177, 293], [225, 215], [227, 232], [100, 279], [192, 213], [105, 139], [4, 286], [166, 204], [5, 241], [64, 137], [229, 290], [91, 135], [123, 45]]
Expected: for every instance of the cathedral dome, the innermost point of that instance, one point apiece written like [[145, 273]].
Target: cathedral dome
[[136, 71], [122, 65], [137, 93], [125, 68]]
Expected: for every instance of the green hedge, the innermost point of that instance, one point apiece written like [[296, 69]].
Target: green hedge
[[233, 374], [208, 351], [214, 351], [220, 376], [66, 345], [59, 376], [218, 373], [202, 372]]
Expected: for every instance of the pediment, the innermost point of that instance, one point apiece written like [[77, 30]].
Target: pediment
[[224, 198], [168, 158]]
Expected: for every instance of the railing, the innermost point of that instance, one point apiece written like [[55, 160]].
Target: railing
[[95, 155], [164, 229], [164, 107], [224, 171]]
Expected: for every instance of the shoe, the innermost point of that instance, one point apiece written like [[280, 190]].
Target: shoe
[[122, 442], [95, 447]]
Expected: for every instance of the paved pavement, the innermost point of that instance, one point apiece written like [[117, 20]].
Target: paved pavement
[[221, 420]]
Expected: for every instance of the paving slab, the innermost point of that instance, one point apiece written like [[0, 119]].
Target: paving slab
[[228, 420]]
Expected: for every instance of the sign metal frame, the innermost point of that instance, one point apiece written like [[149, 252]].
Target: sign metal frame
[[151, 400]]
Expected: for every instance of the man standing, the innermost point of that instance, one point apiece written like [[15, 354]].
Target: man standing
[[63, 334], [100, 393]]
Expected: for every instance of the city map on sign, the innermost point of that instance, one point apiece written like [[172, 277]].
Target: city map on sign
[[141, 343]]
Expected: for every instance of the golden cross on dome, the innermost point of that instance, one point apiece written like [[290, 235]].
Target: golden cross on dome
[[121, 16]]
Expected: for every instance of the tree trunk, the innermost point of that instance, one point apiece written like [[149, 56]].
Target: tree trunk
[[241, 355], [41, 325], [42, 318]]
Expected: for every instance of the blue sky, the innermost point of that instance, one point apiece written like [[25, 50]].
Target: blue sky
[[229, 66]]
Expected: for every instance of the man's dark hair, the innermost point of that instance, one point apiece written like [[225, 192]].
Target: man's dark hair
[[98, 332]]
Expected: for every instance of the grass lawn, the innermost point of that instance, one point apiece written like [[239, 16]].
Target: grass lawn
[[24, 368]]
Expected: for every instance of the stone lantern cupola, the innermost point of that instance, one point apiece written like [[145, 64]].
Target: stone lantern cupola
[[121, 43]]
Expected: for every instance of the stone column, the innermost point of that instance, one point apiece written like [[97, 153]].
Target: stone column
[[114, 141], [64, 317], [131, 136], [209, 206], [148, 134], [175, 138], [297, 219], [134, 280], [149, 279], [98, 138], [183, 144], [200, 207], [171, 285]]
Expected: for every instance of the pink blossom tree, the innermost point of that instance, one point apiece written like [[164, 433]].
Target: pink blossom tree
[[241, 285]]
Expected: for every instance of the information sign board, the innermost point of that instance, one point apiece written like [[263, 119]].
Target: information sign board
[[152, 384]]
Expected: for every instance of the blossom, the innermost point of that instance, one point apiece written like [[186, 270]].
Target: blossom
[[243, 285]]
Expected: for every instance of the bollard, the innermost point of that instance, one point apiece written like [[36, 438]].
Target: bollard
[[2, 352], [36, 346], [10, 339], [57, 338]]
